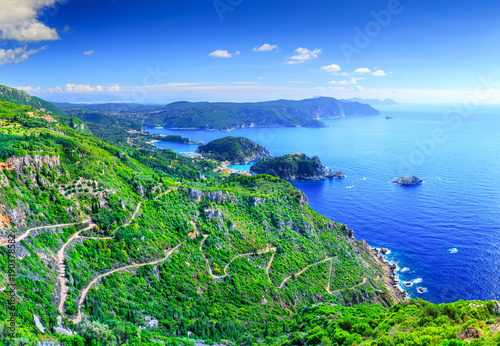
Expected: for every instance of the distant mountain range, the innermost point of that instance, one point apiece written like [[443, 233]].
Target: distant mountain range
[[372, 102], [228, 116]]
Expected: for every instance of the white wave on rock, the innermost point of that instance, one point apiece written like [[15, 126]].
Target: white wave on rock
[[417, 280], [421, 289]]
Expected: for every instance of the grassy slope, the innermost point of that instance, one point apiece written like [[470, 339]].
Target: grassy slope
[[182, 297], [95, 179]]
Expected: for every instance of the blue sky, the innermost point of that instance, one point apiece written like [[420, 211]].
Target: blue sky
[[250, 50]]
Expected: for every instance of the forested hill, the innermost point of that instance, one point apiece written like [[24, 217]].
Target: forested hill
[[130, 246], [225, 116], [149, 248], [22, 98], [236, 150]]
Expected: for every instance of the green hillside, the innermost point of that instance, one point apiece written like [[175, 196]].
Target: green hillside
[[142, 247], [248, 250], [226, 116], [237, 150], [22, 98]]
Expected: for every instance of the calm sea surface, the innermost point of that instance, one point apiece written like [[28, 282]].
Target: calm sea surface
[[444, 234]]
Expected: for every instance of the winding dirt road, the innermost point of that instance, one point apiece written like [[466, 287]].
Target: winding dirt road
[[85, 291], [62, 269], [4, 242], [61, 257], [268, 266]]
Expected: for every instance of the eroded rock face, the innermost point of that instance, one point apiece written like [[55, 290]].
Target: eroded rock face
[[213, 213], [213, 196], [17, 163], [496, 307], [195, 194]]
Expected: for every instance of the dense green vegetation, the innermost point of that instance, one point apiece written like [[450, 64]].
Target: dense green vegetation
[[22, 98], [412, 322], [253, 263], [224, 115], [291, 167], [233, 149]]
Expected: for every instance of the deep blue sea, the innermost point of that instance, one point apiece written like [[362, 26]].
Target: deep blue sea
[[444, 234]]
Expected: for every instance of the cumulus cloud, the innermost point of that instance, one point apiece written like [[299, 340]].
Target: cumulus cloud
[[358, 88], [113, 88], [82, 88], [347, 82], [331, 68], [55, 90], [89, 52], [8, 56], [362, 70], [220, 54], [379, 73], [29, 89], [19, 21], [266, 47], [303, 54]]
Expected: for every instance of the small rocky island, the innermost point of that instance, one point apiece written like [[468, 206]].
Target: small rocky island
[[337, 174], [294, 166], [236, 150], [407, 181]]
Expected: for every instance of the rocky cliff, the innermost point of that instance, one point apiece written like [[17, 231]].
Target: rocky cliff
[[291, 167], [17, 163]]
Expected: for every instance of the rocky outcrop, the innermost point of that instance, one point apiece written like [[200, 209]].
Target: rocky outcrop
[[407, 181], [337, 174], [17, 163], [213, 213], [292, 167]]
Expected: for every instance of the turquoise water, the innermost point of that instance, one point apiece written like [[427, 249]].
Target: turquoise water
[[445, 231]]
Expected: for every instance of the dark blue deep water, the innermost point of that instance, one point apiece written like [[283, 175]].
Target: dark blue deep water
[[445, 232]]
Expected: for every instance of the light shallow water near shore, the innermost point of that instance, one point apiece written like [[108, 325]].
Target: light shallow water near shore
[[446, 231]]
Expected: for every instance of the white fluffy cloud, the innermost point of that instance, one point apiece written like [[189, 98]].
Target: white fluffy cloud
[[362, 70], [379, 73], [113, 88], [331, 68], [29, 89], [347, 82], [221, 54], [19, 20], [8, 56], [266, 47], [89, 52], [82, 88], [303, 54]]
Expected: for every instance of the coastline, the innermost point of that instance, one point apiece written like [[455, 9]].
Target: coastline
[[391, 279]]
